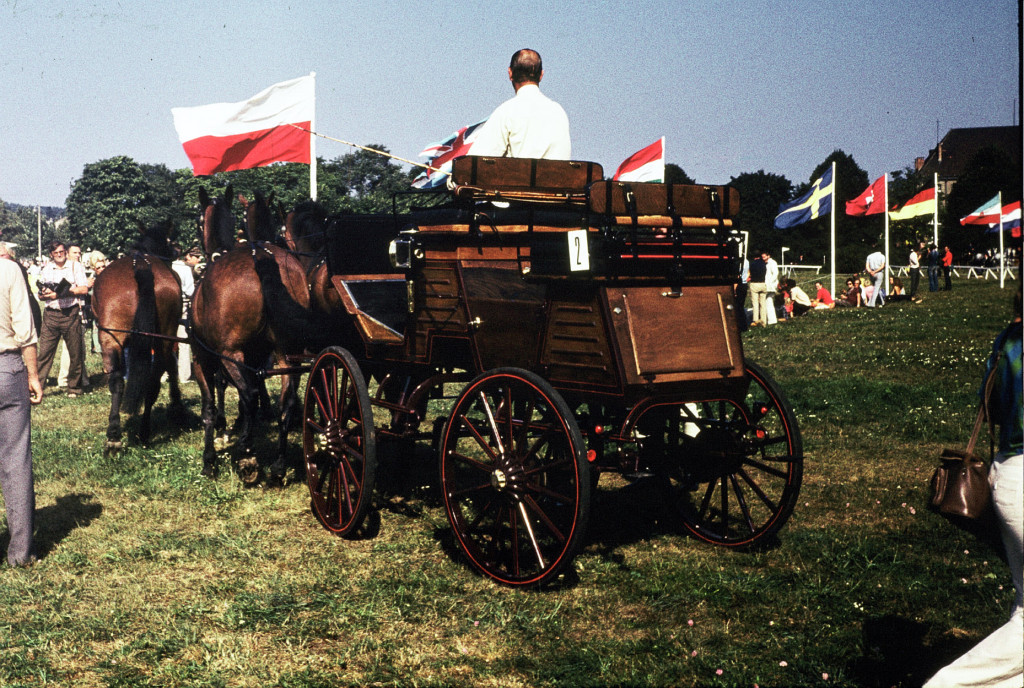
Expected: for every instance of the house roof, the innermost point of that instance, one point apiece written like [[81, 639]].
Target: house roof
[[958, 146]]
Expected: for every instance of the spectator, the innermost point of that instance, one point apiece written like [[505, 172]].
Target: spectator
[[758, 291], [934, 262], [851, 298], [897, 293], [947, 268], [62, 319], [798, 298], [184, 267], [97, 263], [998, 660], [874, 265], [19, 387], [822, 297], [914, 266], [771, 284], [85, 309]]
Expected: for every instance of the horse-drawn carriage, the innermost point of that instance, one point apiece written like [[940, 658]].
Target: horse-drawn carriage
[[588, 326]]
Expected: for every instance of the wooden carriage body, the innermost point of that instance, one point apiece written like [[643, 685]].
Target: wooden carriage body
[[556, 300]]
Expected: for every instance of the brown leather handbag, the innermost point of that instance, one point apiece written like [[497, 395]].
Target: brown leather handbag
[[959, 486]]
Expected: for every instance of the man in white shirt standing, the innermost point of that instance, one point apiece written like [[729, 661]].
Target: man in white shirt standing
[[19, 387], [529, 125], [875, 266], [771, 285], [184, 268], [62, 318]]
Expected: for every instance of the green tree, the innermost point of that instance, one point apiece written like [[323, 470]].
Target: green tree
[[674, 174], [760, 195], [113, 196]]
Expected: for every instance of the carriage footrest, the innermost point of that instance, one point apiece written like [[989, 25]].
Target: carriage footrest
[[378, 305]]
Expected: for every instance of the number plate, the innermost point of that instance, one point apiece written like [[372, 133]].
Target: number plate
[[579, 255]]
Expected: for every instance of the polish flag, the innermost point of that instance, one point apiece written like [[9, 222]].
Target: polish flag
[[646, 165], [871, 202], [253, 133]]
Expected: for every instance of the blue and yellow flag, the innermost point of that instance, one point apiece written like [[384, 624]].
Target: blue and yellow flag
[[812, 205]]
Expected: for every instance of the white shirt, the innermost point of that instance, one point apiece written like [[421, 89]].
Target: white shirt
[[16, 327], [529, 125], [184, 272], [914, 261], [771, 275], [875, 262], [73, 272]]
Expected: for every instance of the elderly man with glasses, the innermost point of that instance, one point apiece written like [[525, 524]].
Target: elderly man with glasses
[[61, 283]]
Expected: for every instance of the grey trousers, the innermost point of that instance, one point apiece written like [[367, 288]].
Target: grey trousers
[[16, 457]]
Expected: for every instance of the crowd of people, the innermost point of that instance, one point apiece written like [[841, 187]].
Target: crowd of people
[[774, 298]]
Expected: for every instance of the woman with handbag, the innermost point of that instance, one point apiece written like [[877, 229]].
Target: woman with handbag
[[998, 660]]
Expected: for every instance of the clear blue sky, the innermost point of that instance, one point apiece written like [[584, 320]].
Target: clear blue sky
[[735, 86]]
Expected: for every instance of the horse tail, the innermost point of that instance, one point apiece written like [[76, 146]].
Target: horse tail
[[295, 326], [139, 352]]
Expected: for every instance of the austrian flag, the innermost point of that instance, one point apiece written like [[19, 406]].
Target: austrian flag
[[252, 133]]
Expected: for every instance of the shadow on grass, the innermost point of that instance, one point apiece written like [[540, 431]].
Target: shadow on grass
[[54, 523], [895, 653]]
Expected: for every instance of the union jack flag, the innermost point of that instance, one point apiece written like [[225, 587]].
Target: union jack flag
[[441, 154]]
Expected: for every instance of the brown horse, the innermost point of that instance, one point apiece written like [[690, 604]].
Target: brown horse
[[251, 305], [135, 297]]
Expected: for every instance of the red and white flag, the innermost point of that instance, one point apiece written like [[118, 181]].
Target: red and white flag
[[988, 213], [646, 165], [253, 133], [871, 202]]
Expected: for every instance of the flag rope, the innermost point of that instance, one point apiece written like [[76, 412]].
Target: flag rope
[[372, 150]]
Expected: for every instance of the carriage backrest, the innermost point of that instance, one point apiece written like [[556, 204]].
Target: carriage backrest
[[475, 175]]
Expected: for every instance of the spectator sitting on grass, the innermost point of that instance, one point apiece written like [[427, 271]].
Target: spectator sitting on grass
[[822, 298], [897, 293], [798, 298]]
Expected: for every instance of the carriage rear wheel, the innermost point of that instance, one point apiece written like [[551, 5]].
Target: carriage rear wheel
[[732, 467], [339, 442], [515, 477]]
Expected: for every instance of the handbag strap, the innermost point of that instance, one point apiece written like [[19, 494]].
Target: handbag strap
[[983, 413]]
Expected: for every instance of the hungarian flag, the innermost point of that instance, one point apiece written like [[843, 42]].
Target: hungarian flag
[[987, 214], [441, 155], [871, 202], [253, 133], [921, 204], [646, 165]]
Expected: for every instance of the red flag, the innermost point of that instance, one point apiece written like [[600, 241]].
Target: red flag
[[871, 202], [252, 133]]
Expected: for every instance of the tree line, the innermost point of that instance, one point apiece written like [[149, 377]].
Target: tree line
[[112, 197]]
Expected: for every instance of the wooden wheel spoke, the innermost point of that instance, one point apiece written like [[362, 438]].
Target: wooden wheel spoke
[[478, 436], [742, 502], [542, 515], [535, 546], [765, 468], [758, 491], [725, 506], [489, 412], [465, 491], [471, 462]]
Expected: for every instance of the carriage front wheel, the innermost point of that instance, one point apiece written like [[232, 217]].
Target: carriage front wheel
[[515, 477], [732, 467], [338, 442]]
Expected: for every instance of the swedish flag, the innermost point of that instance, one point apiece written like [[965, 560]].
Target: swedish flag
[[812, 205]]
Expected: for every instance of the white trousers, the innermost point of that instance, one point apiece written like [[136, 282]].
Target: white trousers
[[998, 660]]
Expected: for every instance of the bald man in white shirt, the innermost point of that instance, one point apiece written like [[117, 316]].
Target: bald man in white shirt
[[529, 125]]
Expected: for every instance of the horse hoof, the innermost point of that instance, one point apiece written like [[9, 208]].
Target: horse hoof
[[277, 479], [111, 447], [221, 443], [209, 471], [249, 470]]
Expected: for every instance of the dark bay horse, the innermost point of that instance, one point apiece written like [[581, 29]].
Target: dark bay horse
[[137, 294], [251, 305]]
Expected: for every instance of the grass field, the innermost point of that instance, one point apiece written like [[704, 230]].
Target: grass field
[[152, 575]]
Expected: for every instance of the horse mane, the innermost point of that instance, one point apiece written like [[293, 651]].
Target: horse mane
[[218, 234]]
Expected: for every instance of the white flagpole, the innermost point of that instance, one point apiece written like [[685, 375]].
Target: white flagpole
[[935, 217], [664, 157], [1002, 259], [312, 145], [833, 231], [885, 274]]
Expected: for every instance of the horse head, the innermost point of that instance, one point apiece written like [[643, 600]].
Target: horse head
[[260, 225], [305, 228], [216, 223], [156, 240]]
